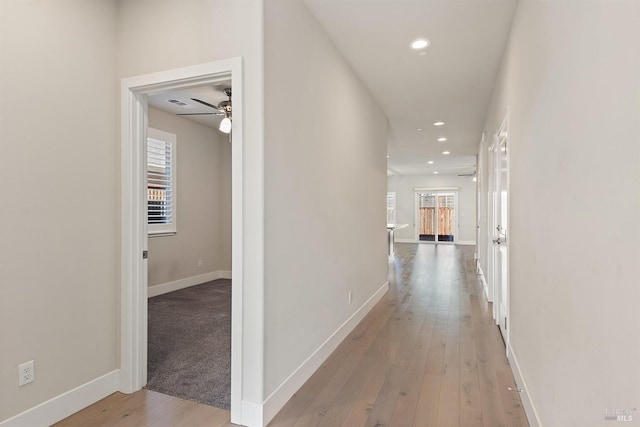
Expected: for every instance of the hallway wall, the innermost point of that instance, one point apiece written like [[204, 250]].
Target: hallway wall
[[60, 68], [58, 171], [325, 177], [570, 78]]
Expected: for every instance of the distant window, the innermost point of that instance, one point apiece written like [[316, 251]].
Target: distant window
[[391, 208], [161, 189]]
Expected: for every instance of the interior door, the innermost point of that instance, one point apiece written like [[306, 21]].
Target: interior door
[[500, 230]]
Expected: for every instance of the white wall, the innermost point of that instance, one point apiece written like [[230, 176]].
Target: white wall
[[570, 77], [58, 172], [203, 205], [325, 188], [156, 35], [60, 67], [404, 185]]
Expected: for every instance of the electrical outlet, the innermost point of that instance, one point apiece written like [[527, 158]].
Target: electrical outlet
[[26, 373], [350, 296], [199, 263]]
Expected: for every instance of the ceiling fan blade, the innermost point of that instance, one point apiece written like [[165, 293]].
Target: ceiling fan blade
[[204, 103]]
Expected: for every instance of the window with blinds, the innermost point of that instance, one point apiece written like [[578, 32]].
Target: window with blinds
[[391, 208], [161, 191]]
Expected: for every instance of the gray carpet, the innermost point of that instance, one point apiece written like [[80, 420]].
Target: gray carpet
[[190, 343]]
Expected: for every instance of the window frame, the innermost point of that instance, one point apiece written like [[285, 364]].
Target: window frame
[[169, 228]]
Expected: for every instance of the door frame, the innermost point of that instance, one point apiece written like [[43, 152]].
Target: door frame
[[496, 267], [133, 280], [416, 215]]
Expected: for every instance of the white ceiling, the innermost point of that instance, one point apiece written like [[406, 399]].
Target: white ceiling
[[452, 82], [211, 94]]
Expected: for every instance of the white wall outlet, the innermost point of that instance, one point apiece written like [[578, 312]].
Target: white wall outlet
[[26, 373], [350, 296], [199, 263]]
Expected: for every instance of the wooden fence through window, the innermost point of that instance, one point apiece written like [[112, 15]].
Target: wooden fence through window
[[446, 221]]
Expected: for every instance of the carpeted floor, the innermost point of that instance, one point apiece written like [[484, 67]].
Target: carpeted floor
[[189, 352]]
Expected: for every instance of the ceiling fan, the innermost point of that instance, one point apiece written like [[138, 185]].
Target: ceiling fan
[[223, 109]]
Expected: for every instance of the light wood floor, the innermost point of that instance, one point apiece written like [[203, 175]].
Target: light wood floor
[[427, 355]]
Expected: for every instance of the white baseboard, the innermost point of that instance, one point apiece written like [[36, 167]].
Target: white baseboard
[[527, 403], [484, 284], [286, 390], [466, 242], [252, 414], [68, 403], [164, 288], [406, 241]]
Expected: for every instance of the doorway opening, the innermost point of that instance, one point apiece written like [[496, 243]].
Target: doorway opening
[[134, 236], [189, 241], [436, 216]]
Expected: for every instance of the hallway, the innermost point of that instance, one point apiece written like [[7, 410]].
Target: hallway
[[428, 354]]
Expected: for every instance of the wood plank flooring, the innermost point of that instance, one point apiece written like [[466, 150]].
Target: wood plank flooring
[[428, 354], [147, 408]]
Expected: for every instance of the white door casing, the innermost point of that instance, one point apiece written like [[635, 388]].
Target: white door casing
[[134, 292]]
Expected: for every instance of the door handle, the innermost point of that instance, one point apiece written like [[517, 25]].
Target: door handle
[[499, 240]]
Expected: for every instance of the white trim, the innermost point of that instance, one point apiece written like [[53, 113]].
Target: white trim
[[290, 386], [465, 242], [406, 241], [66, 404], [484, 284], [527, 403], [133, 329], [252, 414], [187, 282]]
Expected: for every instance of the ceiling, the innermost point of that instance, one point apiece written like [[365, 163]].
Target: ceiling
[[452, 82], [211, 94]]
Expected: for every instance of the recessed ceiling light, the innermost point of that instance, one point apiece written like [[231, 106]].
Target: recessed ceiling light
[[438, 124], [387, 157], [420, 43], [442, 139], [419, 129], [430, 162], [446, 152], [435, 173]]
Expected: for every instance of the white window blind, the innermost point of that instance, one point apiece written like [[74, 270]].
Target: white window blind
[[391, 208], [161, 189]]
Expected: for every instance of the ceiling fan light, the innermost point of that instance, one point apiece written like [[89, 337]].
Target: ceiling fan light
[[225, 125]]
